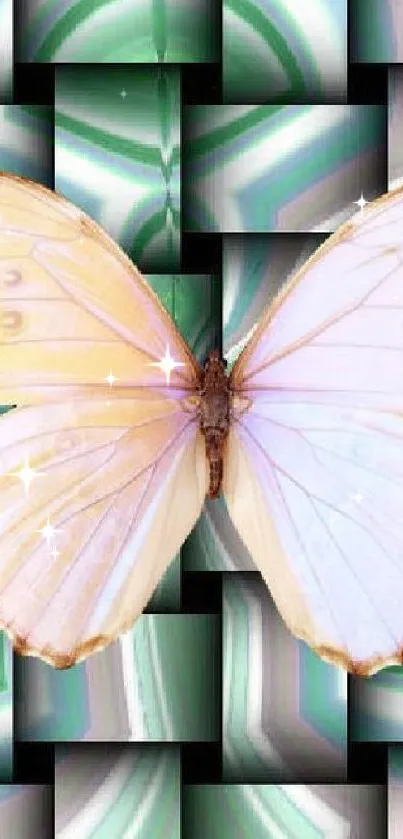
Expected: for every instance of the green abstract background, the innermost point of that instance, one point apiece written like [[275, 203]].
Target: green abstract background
[[121, 31], [284, 51], [274, 168], [117, 137]]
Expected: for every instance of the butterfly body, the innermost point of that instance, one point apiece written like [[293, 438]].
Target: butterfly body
[[215, 410]]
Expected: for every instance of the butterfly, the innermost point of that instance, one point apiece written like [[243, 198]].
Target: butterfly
[[119, 435]]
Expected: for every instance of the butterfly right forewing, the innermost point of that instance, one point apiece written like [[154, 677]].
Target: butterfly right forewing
[[314, 477]]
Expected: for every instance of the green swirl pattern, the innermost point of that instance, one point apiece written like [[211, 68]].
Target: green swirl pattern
[[376, 707], [279, 168], [274, 717], [277, 811], [117, 155], [376, 31], [118, 31], [26, 142], [114, 793], [6, 708], [6, 58], [284, 50], [395, 122], [395, 791], [160, 682]]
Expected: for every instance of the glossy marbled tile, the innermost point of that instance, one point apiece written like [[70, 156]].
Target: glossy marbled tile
[[284, 51], [376, 706], [395, 127], [296, 811], [284, 709], [117, 792], [160, 683], [117, 155], [26, 811], [272, 168], [376, 31], [6, 50], [118, 31], [26, 142]]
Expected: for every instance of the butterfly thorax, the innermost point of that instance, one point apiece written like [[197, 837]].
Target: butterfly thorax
[[215, 398]]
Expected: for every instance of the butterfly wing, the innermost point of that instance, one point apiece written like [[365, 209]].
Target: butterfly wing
[[69, 295], [314, 472], [119, 470], [122, 486]]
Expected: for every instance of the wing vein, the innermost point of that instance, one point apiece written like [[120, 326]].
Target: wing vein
[[311, 498], [316, 331]]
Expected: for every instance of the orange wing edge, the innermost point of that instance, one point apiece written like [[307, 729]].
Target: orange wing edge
[[64, 661]]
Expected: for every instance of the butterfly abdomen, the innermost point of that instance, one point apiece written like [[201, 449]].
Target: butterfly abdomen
[[215, 417]]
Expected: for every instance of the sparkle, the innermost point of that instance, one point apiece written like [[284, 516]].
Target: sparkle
[[123, 93], [54, 552], [26, 475], [167, 364], [361, 202], [48, 531], [358, 497], [108, 403], [111, 379]]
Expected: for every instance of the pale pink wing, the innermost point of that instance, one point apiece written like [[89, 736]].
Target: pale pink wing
[[314, 477], [122, 486], [119, 469]]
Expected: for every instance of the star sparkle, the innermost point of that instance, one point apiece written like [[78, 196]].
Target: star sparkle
[[123, 93], [361, 203], [167, 364], [54, 552], [111, 379], [26, 475], [48, 531]]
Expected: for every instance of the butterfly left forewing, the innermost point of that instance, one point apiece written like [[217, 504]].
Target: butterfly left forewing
[[314, 473], [73, 308]]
